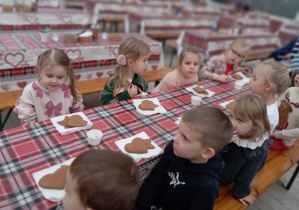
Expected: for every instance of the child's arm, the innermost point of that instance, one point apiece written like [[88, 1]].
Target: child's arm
[[208, 71], [166, 83], [287, 133], [204, 198], [77, 106], [25, 108], [154, 182], [107, 95]]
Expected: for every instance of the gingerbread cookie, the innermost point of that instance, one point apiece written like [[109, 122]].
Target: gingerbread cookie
[[200, 90], [236, 76], [73, 121], [147, 105], [139, 145], [229, 105], [64, 122], [55, 180]]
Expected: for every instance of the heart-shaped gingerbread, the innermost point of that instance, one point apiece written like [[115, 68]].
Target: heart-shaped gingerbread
[[136, 147], [146, 141], [237, 76], [64, 122], [55, 180], [200, 90], [76, 121], [147, 105]]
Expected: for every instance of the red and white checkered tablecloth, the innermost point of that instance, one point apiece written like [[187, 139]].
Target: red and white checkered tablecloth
[[54, 18], [288, 34], [31, 148], [156, 22], [229, 21], [90, 60], [211, 42]]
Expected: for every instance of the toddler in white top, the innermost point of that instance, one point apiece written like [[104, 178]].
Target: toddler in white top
[[49, 96]]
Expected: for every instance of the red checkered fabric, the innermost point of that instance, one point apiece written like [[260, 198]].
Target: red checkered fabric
[[31, 148]]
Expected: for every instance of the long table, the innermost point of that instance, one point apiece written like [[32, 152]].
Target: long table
[[212, 42], [31, 148], [90, 60], [54, 18]]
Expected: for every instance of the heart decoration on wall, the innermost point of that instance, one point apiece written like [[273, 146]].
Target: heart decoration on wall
[[78, 76], [74, 55], [6, 87], [14, 59], [99, 74], [22, 84]]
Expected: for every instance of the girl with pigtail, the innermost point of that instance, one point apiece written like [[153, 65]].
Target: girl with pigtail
[[50, 96], [126, 83]]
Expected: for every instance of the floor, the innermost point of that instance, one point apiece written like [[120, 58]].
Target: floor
[[275, 198]]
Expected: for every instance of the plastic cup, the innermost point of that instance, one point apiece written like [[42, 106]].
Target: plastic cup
[[238, 85], [195, 100], [43, 37], [94, 136]]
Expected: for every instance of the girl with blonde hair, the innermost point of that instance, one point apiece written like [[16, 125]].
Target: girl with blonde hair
[[247, 153], [219, 66], [127, 82], [50, 96]]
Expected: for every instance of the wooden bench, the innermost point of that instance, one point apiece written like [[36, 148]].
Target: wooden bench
[[8, 99], [278, 163]]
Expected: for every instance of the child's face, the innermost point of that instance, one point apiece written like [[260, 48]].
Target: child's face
[[186, 144], [140, 65], [258, 81], [296, 80], [243, 127], [52, 78], [235, 54], [71, 200], [190, 65]]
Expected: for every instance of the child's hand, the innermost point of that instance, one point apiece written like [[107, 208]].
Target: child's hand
[[249, 199], [222, 78], [288, 56], [245, 70], [272, 134], [132, 90], [235, 137], [140, 93]]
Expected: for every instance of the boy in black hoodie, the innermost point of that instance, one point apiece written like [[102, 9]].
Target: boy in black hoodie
[[187, 175]]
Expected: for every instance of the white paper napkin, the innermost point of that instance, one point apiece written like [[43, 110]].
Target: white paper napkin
[[150, 152], [159, 109], [51, 194], [178, 120], [245, 80], [64, 131], [223, 104], [201, 95]]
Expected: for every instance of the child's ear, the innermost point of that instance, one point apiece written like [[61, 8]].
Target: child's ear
[[130, 62], [208, 153], [269, 87]]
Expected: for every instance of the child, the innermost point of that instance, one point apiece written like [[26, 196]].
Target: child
[[247, 155], [219, 66], [126, 82], [189, 62], [187, 175], [49, 96], [287, 130], [269, 80], [101, 179]]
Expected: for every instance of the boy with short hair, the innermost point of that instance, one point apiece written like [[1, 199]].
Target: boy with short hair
[[101, 179], [187, 175]]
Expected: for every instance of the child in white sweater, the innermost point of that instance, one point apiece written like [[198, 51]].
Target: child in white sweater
[[49, 96]]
